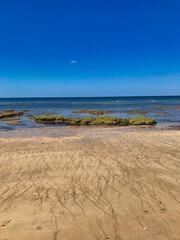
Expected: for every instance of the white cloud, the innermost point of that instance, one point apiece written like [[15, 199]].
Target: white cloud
[[73, 61]]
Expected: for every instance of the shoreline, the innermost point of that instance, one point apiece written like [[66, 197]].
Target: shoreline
[[164, 110], [59, 131]]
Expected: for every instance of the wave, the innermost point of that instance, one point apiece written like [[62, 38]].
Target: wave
[[151, 101]]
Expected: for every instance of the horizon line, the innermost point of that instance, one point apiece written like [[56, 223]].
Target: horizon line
[[98, 96]]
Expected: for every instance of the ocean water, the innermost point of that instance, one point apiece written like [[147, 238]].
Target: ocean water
[[65, 107]]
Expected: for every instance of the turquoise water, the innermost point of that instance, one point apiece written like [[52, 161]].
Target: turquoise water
[[65, 107]]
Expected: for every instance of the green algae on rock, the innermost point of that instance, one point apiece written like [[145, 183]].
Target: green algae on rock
[[8, 110], [10, 113], [14, 122], [141, 121], [103, 120], [9, 119], [135, 112], [177, 107], [94, 112]]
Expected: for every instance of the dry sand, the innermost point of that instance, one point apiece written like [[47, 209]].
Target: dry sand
[[96, 184]]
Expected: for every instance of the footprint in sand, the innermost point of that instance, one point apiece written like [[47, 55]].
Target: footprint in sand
[[5, 223]]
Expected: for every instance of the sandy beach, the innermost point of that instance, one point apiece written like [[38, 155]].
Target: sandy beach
[[91, 184]]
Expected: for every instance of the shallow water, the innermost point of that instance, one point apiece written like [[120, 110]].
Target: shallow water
[[65, 107]]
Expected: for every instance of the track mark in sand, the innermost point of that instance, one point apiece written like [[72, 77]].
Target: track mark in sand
[[92, 188]]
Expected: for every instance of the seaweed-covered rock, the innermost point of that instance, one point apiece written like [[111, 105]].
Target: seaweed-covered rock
[[94, 112], [103, 120], [135, 112], [8, 110], [159, 107], [10, 113], [141, 121], [14, 122], [106, 120], [87, 120], [49, 119], [75, 121], [5, 119]]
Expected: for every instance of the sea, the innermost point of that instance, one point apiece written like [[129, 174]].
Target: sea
[[165, 117]]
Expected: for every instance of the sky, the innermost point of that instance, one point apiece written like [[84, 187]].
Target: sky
[[79, 48]]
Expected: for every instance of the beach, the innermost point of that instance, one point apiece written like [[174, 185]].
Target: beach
[[90, 183], [90, 120]]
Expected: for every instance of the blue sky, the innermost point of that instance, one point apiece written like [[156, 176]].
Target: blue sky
[[89, 48]]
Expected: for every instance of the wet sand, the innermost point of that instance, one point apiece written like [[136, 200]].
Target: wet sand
[[91, 184]]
